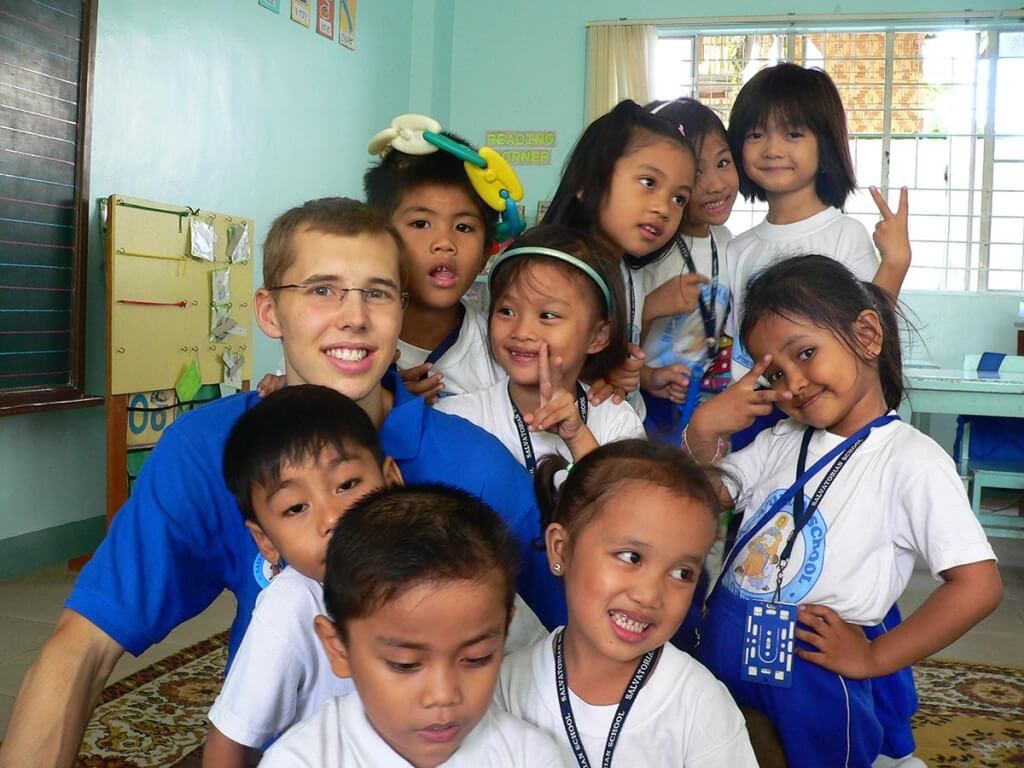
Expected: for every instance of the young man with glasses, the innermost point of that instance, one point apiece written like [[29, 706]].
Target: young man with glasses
[[334, 294]]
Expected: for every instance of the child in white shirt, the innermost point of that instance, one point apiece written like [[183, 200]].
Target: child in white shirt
[[609, 681], [419, 592], [556, 317], [295, 463]]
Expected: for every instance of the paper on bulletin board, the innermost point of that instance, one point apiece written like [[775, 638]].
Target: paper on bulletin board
[[300, 12], [149, 414], [347, 23], [167, 323], [325, 18]]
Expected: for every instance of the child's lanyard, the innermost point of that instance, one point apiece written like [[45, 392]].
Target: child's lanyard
[[707, 314], [524, 434], [640, 675], [843, 451], [632, 301], [449, 341]]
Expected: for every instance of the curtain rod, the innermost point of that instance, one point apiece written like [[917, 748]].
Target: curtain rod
[[1007, 15]]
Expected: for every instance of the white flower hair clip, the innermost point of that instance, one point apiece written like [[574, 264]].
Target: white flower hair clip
[[405, 135]]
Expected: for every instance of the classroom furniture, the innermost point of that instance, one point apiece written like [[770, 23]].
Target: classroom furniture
[[163, 308], [969, 393]]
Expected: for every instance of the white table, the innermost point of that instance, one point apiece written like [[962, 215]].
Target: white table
[[956, 392]]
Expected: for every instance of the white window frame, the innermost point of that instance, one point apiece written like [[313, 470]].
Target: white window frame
[[973, 275]]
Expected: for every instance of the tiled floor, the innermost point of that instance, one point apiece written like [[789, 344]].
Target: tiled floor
[[29, 607]]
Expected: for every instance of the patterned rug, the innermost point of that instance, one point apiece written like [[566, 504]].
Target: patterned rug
[[970, 714]]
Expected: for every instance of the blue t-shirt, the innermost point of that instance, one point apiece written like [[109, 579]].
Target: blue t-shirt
[[180, 539]]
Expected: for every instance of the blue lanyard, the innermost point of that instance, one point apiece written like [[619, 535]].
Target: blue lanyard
[[707, 314], [525, 443], [640, 675], [449, 341], [843, 451]]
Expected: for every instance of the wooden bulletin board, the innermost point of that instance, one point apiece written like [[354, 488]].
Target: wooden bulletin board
[[160, 303], [160, 299]]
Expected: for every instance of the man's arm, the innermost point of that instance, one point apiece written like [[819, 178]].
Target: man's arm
[[58, 694]]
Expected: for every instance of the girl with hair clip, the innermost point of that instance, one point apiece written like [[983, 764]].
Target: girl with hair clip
[[828, 553], [556, 317], [608, 684], [628, 179], [690, 341], [788, 127]]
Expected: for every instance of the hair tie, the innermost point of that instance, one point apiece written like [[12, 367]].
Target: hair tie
[[568, 258]]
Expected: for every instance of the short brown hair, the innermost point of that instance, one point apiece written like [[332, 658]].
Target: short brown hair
[[331, 216]]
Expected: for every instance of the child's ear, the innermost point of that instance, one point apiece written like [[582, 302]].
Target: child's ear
[[334, 646], [265, 308], [392, 474], [868, 329], [601, 338], [263, 544], [556, 541]]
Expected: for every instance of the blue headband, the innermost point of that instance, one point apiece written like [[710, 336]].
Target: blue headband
[[568, 258]]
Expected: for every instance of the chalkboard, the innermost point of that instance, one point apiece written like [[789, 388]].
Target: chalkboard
[[45, 62]]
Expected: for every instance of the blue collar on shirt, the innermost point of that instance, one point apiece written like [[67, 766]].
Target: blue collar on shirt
[[402, 431]]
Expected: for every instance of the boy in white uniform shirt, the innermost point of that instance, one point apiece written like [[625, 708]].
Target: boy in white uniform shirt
[[295, 463], [419, 592], [447, 230]]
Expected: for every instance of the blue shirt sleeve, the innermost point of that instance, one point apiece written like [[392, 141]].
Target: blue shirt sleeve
[[173, 544]]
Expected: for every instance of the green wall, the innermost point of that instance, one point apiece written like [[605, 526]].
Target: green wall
[[219, 105], [224, 105]]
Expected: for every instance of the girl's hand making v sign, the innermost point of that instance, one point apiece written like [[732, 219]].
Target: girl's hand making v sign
[[728, 413], [558, 412]]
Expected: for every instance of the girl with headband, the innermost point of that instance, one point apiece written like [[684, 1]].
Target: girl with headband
[[556, 317]]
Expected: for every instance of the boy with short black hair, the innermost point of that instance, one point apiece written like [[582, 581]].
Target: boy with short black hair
[[294, 463], [419, 590], [447, 230]]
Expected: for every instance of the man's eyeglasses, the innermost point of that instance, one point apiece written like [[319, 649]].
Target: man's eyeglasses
[[328, 293]]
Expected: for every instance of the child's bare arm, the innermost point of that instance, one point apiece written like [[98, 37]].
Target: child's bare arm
[[892, 238], [969, 594], [222, 752]]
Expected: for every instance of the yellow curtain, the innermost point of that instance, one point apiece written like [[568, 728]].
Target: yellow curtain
[[619, 58]]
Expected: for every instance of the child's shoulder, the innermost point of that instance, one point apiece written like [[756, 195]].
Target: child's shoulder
[[471, 405], [290, 598], [503, 739]]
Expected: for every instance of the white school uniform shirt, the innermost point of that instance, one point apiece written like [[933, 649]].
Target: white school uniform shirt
[[829, 233], [682, 717], [491, 410], [897, 496], [633, 287], [281, 675], [467, 365], [340, 735], [681, 339]]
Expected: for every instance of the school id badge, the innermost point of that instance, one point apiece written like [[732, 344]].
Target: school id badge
[[768, 643]]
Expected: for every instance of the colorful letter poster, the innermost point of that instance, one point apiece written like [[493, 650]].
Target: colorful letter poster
[[325, 18], [347, 23], [271, 5], [300, 12]]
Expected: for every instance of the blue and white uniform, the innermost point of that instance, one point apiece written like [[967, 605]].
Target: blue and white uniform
[[898, 496]]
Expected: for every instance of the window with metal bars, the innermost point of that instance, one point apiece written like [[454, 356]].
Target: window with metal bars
[[935, 109], [45, 71]]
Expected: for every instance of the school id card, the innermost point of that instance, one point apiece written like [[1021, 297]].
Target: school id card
[[768, 643]]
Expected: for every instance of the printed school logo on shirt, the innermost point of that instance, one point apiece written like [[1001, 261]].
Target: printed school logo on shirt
[[753, 571]]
